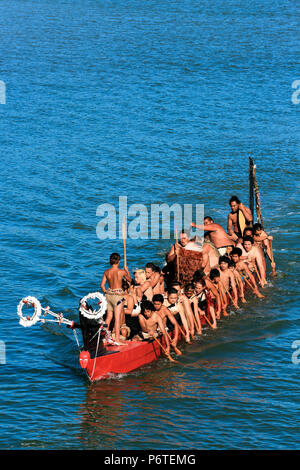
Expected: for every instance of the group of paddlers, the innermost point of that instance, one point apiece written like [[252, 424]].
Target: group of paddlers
[[155, 303]]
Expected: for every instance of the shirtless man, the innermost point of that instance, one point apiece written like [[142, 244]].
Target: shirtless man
[[217, 234], [209, 290], [262, 239], [228, 281], [184, 301], [150, 320], [253, 257], [167, 318], [232, 220], [153, 276], [244, 271], [114, 293], [210, 255], [176, 308], [215, 278], [238, 280]]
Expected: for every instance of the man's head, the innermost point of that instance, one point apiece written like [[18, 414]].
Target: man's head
[[257, 229], [208, 220], [147, 308], [198, 275], [139, 276], [149, 270], [236, 254], [188, 290], [224, 262], [248, 243], [172, 295], [199, 286], [234, 203], [184, 237], [157, 300], [214, 275], [248, 232], [114, 258], [176, 285]]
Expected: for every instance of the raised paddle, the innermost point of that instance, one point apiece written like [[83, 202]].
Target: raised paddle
[[124, 240], [177, 257], [164, 350]]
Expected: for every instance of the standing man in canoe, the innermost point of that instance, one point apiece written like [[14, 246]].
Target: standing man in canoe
[[114, 294], [217, 235], [233, 223]]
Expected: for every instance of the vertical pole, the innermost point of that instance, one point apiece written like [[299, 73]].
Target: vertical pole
[[251, 186]]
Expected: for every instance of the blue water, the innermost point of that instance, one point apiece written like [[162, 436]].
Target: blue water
[[158, 101]]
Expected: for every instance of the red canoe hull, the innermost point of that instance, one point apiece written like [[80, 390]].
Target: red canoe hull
[[123, 359]]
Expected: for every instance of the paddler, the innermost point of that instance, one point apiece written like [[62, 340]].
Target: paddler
[[150, 320], [244, 271], [233, 228], [114, 294], [253, 256], [228, 280], [217, 235], [167, 317]]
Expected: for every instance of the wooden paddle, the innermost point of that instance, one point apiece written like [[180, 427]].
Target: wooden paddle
[[177, 257], [124, 233], [177, 351], [164, 350]]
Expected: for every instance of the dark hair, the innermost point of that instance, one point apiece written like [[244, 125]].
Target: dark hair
[[234, 199], [247, 229], [158, 298], [214, 273], [198, 275], [236, 251], [125, 284], [248, 239], [208, 218], [157, 269], [186, 231], [150, 265], [176, 283], [257, 227], [231, 263], [147, 305], [172, 291], [114, 258], [188, 286], [224, 259]]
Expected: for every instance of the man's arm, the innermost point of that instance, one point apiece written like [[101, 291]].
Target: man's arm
[[155, 278], [126, 274], [162, 329], [247, 212], [103, 282]]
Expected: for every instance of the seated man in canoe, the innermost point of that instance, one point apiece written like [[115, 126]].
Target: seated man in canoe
[[215, 278], [239, 218], [153, 277], [185, 303], [150, 321], [114, 294], [262, 239], [208, 297], [228, 280], [244, 271], [254, 258], [168, 319], [176, 307], [217, 235]]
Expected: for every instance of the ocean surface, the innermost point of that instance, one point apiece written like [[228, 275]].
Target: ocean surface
[[162, 102]]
